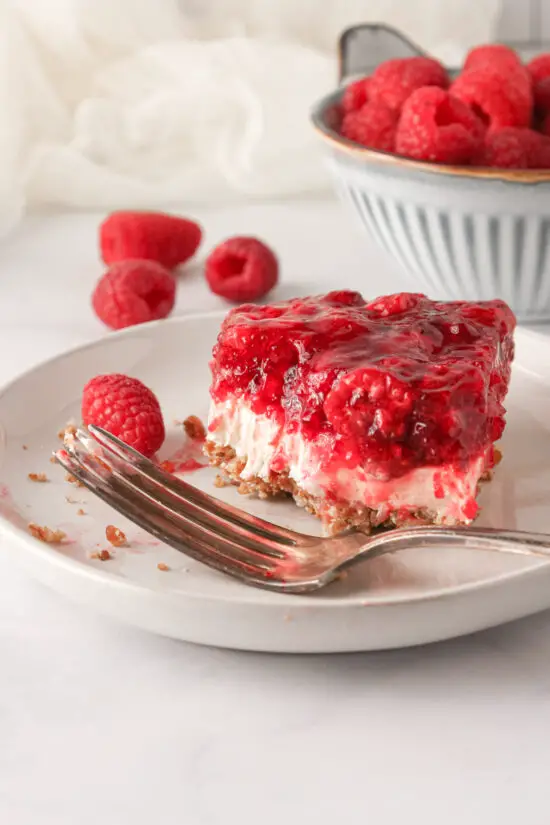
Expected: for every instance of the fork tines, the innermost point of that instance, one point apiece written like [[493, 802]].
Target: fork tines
[[174, 511]]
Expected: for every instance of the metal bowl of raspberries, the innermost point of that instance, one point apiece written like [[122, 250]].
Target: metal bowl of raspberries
[[448, 169]]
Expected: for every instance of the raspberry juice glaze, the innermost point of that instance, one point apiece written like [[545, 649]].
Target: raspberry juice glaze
[[380, 411]]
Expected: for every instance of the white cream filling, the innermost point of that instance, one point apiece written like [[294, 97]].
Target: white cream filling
[[258, 439]]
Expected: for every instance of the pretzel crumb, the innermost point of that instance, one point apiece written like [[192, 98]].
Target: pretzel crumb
[[162, 566], [24, 446], [68, 429], [53, 459], [39, 477], [81, 512], [115, 536], [46, 534], [103, 555], [497, 456], [194, 428], [220, 481], [72, 480]]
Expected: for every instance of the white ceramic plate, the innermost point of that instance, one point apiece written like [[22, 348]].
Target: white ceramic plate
[[411, 598]]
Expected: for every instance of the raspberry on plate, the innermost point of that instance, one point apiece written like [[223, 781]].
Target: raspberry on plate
[[498, 101], [241, 269], [394, 81], [366, 413], [133, 292], [154, 236], [435, 126], [373, 125], [126, 408], [356, 95], [512, 148]]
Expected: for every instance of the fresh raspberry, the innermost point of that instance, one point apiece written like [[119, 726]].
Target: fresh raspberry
[[133, 292], [539, 67], [513, 149], [153, 236], [491, 56], [394, 80], [541, 95], [437, 127], [545, 126], [498, 101], [541, 157], [241, 269], [126, 408], [373, 125], [539, 70], [356, 95]]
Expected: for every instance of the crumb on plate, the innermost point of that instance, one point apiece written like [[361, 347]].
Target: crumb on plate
[[72, 480], [115, 536], [68, 429], [194, 428], [81, 512], [46, 534], [162, 566], [40, 477], [102, 555]]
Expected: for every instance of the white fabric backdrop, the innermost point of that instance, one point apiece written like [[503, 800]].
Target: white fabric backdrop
[[109, 103]]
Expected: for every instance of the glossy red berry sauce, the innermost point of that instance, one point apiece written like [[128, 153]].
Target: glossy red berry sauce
[[391, 384]]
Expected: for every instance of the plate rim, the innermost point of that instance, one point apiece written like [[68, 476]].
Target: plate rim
[[253, 597]]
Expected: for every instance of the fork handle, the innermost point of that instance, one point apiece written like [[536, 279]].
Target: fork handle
[[517, 542]]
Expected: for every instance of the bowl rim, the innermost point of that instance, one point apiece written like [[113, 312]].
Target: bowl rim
[[391, 160]]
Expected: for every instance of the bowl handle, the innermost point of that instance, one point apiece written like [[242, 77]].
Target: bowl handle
[[361, 48]]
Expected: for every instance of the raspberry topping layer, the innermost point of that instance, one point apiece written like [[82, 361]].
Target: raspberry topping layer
[[389, 385]]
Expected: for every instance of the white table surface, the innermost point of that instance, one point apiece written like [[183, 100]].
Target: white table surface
[[100, 723]]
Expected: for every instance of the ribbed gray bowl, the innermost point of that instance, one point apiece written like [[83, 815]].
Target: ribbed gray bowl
[[458, 232]]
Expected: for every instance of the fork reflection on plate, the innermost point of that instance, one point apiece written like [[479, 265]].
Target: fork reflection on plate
[[239, 544]]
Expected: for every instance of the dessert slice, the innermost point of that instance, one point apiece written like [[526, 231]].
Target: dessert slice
[[368, 413]]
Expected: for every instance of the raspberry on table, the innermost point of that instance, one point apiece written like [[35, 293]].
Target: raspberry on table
[[498, 101], [356, 95], [133, 292], [155, 236], [241, 269], [126, 408], [373, 125], [512, 148], [435, 126], [394, 81]]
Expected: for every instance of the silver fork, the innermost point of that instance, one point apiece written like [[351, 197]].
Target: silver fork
[[247, 548]]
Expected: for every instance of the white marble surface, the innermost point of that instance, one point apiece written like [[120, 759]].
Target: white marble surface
[[103, 724]]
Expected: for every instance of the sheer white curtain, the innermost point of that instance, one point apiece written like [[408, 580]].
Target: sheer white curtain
[[145, 102]]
